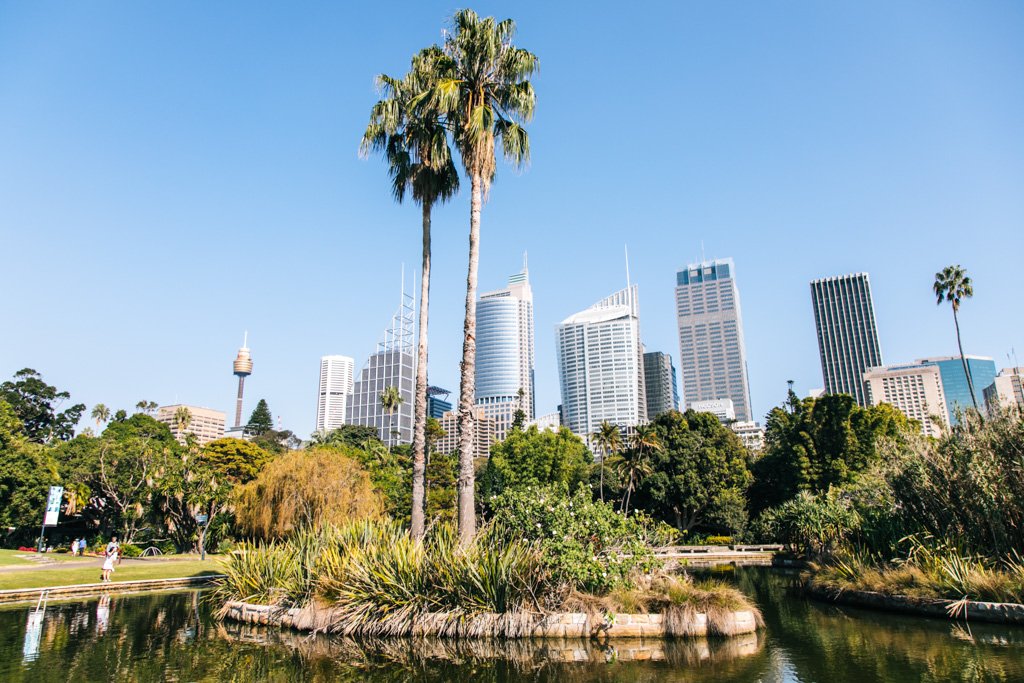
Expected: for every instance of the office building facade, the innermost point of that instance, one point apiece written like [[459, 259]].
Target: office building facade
[[484, 433], [505, 352], [712, 352], [601, 367], [722, 408], [954, 381], [204, 424], [844, 316], [751, 434], [916, 390], [1006, 391], [392, 365], [660, 383], [336, 378]]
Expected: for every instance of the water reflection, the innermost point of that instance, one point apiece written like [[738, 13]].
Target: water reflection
[[173, 636]]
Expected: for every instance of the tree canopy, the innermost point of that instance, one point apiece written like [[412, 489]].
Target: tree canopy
[[36, 404], [261, 420], [533, 457]]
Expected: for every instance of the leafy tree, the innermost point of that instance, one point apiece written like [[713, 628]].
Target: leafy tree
[[305, 488], [535, 458], [11, 434], [698, 476], [635, 462], [182, 419], [100, 413], [812, 444], [354, 436], [236, 460], [26, 473], [415, 144], [277, 441], [608, 438], [36, 404], [261, 421], [482, 93], [440, 487], [952, 284]]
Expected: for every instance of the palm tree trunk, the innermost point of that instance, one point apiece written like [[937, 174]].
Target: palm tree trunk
[[604, 454], [467, 387], [963, 359], [419, 434]]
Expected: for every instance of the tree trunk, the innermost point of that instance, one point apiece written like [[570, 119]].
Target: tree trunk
[[467, 387], [963, 359], [604, 454], [419, 433]]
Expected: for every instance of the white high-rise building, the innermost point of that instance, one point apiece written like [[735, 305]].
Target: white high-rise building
[[504, 353], [204, 424], [335, 387], [712, 355], [1006, 390], [915, 390], [600, 365]]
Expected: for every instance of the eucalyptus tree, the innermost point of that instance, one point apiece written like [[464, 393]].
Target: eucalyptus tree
[[101, 414], [390, 400], [483, 94], [608, 438], [952, 284], [414, 143]]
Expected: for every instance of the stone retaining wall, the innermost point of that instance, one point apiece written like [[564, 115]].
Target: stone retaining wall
[[563, 625], [992, 612], [52, 592]]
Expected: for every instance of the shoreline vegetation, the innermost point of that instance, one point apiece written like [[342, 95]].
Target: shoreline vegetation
[[370, 578]]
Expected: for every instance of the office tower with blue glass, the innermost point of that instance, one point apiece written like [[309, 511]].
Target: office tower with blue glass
[[660, 382], [601, 365], [712, 355], [954, 381], [504, 353], [436, 405], [844, 316]]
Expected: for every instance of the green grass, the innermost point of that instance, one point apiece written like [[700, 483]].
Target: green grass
[[169, 569], [17, 558]]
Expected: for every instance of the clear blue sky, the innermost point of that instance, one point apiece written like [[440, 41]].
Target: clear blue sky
[[172, 174]]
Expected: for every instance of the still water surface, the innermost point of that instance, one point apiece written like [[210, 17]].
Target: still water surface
[[174, 637]]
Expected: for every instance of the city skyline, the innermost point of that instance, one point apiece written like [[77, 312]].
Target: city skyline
[[111, 183]]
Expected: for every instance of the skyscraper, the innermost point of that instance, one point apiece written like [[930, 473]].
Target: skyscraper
[[504, 352], [437, 406], [204, 424], [335, 387], [1006, 391], [712, 355], [660, 383], [393, 364], [847, 338], [916, 390], [954, 381], [601, 366]]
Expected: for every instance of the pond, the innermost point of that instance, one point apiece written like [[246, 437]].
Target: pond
[[175, 637]]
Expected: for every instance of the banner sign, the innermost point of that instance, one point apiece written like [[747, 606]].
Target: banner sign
[[53, 506]]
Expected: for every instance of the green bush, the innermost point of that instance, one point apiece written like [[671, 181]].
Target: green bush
[[130, 550], [719, 540], [584, 543], [813, 524]]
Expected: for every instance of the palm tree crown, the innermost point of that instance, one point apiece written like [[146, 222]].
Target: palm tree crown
[[101, 414], [608, 439]]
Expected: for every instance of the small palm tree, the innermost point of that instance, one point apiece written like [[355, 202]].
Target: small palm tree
[[101, 414], [637, 464], [952, 284], [146, 407], [482, 92], [415, 145], [182, 419], [608, 438], [390, 400]]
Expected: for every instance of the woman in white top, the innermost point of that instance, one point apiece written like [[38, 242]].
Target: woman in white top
[[108, 565]]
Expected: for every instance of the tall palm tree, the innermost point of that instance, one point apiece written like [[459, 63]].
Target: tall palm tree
[[415, 145], [390, 400], [644, 441], [183, 419], [609, 439], [483, 93], [952, 284], [101, 414], [146, 407]]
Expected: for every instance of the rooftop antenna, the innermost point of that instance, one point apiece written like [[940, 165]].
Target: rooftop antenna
[[626, 248], [525, 269]]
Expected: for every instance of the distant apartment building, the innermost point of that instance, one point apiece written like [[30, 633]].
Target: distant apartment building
[[751, 434], [600, 365], [332, 396], [660, 384], [392, 365], [712, 354], [484, 429], [549, 421], [505, 352], [204, 424], [954, 381], [844, 316], [915, 390], [1006, 390], [721, 408]]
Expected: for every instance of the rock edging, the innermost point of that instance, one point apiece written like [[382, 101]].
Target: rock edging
[[991, 612], [32, 594], [558, 625]]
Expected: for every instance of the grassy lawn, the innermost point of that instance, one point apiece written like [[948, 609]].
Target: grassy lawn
[[41, 578], [9, 558]]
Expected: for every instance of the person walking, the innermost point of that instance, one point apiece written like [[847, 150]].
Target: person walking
[[108, 563], [82, 545], [74, 547]]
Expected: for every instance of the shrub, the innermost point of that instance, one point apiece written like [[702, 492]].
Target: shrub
[[813, 524], [584, 543], [130, 550]]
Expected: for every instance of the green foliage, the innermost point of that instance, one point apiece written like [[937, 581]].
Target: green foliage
[[584, 543], [814, 524], [812, 444], [261, 421], [130, 550], [236, 460], [535, 458], [35, 403], [440, 486], [26, 473], [352, 436], [698, 477], [11, 434]]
